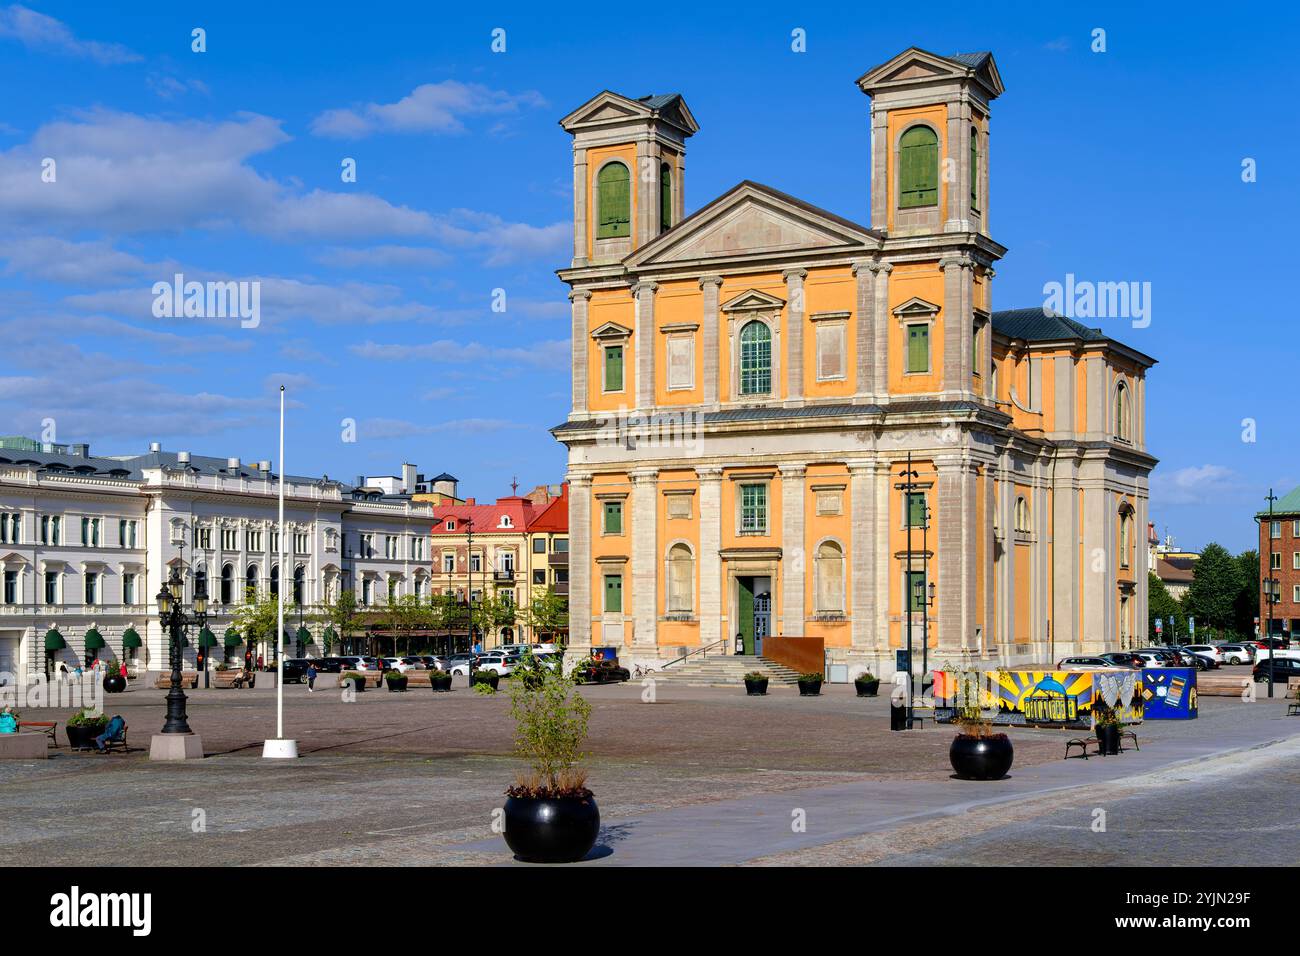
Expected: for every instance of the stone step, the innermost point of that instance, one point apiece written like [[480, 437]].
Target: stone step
[[727, 670]]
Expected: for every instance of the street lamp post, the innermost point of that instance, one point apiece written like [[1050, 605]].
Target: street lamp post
[[174, 619], [908, 485], [1272, 584], [469, 589]]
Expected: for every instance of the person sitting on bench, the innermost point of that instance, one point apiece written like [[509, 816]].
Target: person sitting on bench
[[113, 732], [8, 722]]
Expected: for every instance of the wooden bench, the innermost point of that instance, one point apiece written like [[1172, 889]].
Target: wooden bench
[[112, 745], [234, 678], [47, 727], [1082, 743], [189, 679], [1131, 736]]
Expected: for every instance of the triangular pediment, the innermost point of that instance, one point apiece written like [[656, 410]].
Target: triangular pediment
[[609, 108], [915, 66], [915, 306], [752, 300], [749, 222], [611, 330]]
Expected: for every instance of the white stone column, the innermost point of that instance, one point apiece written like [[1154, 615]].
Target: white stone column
[[880, 357], [712, 323], [796, 562], [710, 554], [862, 566], [880, 185], [957, 328], [645, 558], [644, 293], [958, 189], [795, 311], [580, 299], [579, 566], [579, 206], [945, 538], [864, 356]]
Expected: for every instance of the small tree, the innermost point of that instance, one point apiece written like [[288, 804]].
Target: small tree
[[1161, 604], [342, 614], [492, 612], [550, 729], [1246, 606], [547, 613], [1216, 582], [257, 617]]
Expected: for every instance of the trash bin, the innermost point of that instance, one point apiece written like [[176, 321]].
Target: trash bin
[[897, 714]]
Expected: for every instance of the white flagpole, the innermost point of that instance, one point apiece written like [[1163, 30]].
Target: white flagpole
[[280, 747]]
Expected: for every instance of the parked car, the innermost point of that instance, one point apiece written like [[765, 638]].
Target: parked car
[[396, 664], [1123, 659], [600, 672], [1155, 658], [462, 664], [295, 670], [1202, 662], [1209, 650], [359, 662], [330, 665], [1066, 663], [500, 663], [1284, 668], [434, 662], [1238, 653], [1276, 642]]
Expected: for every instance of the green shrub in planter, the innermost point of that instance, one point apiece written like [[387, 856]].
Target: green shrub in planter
[[358, 680], [395, 680], [810, 685], [756, 684], [491, 678], [867, 684], [83, 727]]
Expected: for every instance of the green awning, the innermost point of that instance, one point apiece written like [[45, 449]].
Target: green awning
[[130, 638], [304, 635], [54, 640], [94, 640], [232, 638], [207, 638]]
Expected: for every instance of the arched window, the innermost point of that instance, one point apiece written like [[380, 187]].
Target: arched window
[[828, 577], [1122, 431], [250, 581], [1125, 538], [665, 197], [613, 201], [299, 579], [1022, 516], [755, 359], [918, 168], [227, 584], [974, 169], [275, 580], [681, 579]]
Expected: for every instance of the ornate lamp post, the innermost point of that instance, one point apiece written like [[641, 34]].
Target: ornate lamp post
[[175, 619]]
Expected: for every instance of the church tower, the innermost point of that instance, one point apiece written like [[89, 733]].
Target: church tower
[[629, 162]]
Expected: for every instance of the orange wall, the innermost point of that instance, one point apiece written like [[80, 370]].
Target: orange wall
[[899, 120], [596, 157]]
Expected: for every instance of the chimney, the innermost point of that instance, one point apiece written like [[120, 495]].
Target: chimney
[[182, 458], [264, 466], [155, 446], [469, 501], [409, 478], [81, 451], [232, 464], [361, 481]]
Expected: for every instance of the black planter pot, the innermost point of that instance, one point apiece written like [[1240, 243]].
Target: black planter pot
[[114, 684], [559, 830], [1108, 740], [810, 689], [756, 688], [486, 677], [83, 737], [440, 685], [981, 758], [358, 684], [867, 688], [396, 683]]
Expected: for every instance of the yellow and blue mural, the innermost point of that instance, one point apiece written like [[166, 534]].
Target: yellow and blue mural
[[1045, 698], [1169, 693]]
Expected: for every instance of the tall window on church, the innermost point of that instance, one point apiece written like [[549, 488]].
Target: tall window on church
[[918, 168], [755, 359], [227, 584], [665, 197], [1122, 413], [974, 169], [613, 201], [681, 579], [828, 575], [918, 348]]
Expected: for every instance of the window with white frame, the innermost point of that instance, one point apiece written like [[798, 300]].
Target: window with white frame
[[90, 532], [476, 562], [253, 541], [10, 528], [301, 542], [51, 529], [417, 547], [128, 589], [202, 538], [229, 539], [92, 587], [448, 562], [753, 508], [128, 533], [390, 546], [367, 548], [51, 587]]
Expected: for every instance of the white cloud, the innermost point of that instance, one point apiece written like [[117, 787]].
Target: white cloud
[[505, 241], [1194, 485], [548, 354], [387, 257], [37, 31], [429, 108]]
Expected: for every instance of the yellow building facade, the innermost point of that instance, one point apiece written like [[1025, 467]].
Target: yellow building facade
[[750, 383]]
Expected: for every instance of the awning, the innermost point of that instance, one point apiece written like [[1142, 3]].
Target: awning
[[94, 640], [304, 635], [232, 638], [207, 638], [130, 638], [54, 640], [330, 634]]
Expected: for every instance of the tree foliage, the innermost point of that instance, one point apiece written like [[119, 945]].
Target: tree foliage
[[1161, 604], [1216, 586], [547, 613]]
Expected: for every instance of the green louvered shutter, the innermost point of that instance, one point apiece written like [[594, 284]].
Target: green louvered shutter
[[974, 169], [614, 368], [665, 197], [918, 348], [918, 168], [614, 593], [613, 201]]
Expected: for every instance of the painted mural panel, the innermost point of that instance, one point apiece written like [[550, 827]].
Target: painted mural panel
[[1046, 698], [1169, 693]]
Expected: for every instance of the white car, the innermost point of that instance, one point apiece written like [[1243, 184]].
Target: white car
[[1205, 650], [1151, 659], [500, 663], [397, 664], [354, 663], [1238, 653]]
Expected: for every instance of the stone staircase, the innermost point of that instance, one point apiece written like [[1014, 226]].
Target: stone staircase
[[724, 670]]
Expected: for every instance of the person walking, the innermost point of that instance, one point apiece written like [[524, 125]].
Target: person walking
[[311, 678]]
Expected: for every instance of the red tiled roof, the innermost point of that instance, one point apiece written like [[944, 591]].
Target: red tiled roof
[[486, 518], [555, 516]]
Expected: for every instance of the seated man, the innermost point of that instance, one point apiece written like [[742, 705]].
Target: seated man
[[8, 722], [112, 732]]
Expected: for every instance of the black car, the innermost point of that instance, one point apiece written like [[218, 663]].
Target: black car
[[1122, 659], [1283, 668], [330, 665], [295, 670], [600, 672]]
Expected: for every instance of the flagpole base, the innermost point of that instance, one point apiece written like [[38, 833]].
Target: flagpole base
[[279, 749], [176, 747]]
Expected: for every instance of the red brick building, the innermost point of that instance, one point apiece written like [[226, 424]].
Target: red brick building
[[1279, 555]]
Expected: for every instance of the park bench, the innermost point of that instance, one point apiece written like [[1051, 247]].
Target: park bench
[[189, 679], [118, 744], [233, 678], [1083, 743], [47, 727]]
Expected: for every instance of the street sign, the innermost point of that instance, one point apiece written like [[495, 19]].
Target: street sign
[[1160, 626], [1191, 627]]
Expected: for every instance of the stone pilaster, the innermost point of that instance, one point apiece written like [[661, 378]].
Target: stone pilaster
[[795, 311], [796, 562], [645, 558], [710, 554], [865, 318], [988, 622], [863, 556], [644, 296], [1006, 582], [1065, 556], [880, 358], [958, 273], [579, 566], [645, 181], [880, 186], [712, 326], [958, 188], [580, 237], [945, 537], [580, 299]]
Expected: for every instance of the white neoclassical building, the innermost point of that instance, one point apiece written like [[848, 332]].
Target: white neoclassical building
[[86, 541]]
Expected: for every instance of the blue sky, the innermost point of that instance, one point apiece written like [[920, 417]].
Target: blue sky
[[376, 295]]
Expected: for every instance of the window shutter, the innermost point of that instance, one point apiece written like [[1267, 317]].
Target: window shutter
[[665, 197], [614, 368], [918, 168], [918, 348], [613, 201]]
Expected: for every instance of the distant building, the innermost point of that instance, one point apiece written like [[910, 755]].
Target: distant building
[[1172, 565], [1279, 545]]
